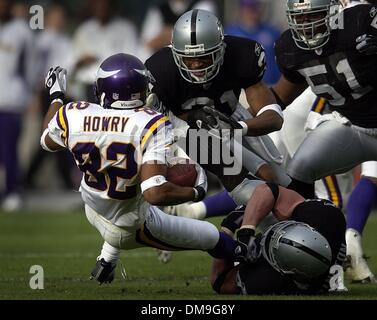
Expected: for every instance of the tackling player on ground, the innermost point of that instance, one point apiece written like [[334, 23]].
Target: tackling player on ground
[[301, 254]]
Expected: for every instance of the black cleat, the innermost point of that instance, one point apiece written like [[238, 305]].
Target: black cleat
[[103, 272]]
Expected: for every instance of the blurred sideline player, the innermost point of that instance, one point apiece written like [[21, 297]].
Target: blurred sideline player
[[122, 148], [339, 65], [290, 257]]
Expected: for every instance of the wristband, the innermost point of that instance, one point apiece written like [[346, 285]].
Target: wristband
[[244, 126], [199, 194]]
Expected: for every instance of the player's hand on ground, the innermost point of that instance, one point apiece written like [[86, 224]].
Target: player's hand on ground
[[56, 83], [233, 221], [366, 44], [247, 249]]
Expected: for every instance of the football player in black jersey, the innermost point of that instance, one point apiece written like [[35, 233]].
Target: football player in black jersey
[[301, 254], [204, 68], [336, 55]]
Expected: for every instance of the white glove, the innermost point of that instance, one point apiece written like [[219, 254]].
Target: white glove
[[56, 83]]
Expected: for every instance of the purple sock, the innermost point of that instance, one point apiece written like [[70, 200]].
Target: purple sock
[[219, 204], [224, 248], [360, 204]]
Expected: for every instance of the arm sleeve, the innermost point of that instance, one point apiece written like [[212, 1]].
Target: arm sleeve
[[58, 128], [254, 65], [281, 60], [157, 140]]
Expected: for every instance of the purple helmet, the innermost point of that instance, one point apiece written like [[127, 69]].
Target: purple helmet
[[122, 82]]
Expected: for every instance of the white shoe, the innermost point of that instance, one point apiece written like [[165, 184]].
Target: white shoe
[[12, 203], [357, 269], [164, 256]]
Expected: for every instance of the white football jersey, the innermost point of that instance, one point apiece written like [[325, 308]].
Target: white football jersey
[[109, 147]]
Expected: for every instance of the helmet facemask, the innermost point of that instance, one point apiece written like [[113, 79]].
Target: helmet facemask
[[215, 55], [311, 27]]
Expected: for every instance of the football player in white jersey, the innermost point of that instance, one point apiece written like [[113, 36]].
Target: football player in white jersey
[[122, 148]]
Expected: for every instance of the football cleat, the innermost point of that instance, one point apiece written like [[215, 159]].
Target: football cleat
[[103, 271], [357, 270], [11, 203], [356, 266]]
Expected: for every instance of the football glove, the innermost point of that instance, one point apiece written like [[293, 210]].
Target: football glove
[[367, 44], [56, 83], [233, 220], [223, 121], [217, 123], [199, 119], [247, 249], [103, 272], [201, 184]]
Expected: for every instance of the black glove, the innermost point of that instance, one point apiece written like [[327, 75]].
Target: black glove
[[367, 44], [223, 121], [217, 123], [233, 220], [200, 193], [247, 249], [56, 83], [199, 119]]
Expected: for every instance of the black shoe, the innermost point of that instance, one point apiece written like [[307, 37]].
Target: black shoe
[[103, 272]]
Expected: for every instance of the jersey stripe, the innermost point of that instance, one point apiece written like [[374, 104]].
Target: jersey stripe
[[319, 105], [63, 124], [193, 26], [333, 191], [152, 127]]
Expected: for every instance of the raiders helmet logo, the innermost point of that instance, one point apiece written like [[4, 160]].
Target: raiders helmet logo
[[373, 12], [258, 49]]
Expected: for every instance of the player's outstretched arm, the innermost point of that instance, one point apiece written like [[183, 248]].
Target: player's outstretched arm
[[270, 197], [286, 92], [55, 83], [268, 116]]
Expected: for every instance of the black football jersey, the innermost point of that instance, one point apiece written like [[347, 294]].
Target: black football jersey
[[326, 218], [337, 71], [243, 67]]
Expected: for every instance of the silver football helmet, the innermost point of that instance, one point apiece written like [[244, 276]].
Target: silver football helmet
[[198, 34], [297, 250], [311, 21]]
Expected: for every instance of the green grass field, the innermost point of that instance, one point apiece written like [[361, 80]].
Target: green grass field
[[66, 246]]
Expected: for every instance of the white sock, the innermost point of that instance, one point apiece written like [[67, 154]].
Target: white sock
[[198, 210], [353, 241], [110, 253]]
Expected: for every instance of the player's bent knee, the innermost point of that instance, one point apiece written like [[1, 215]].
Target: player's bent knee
[[372, 179]]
